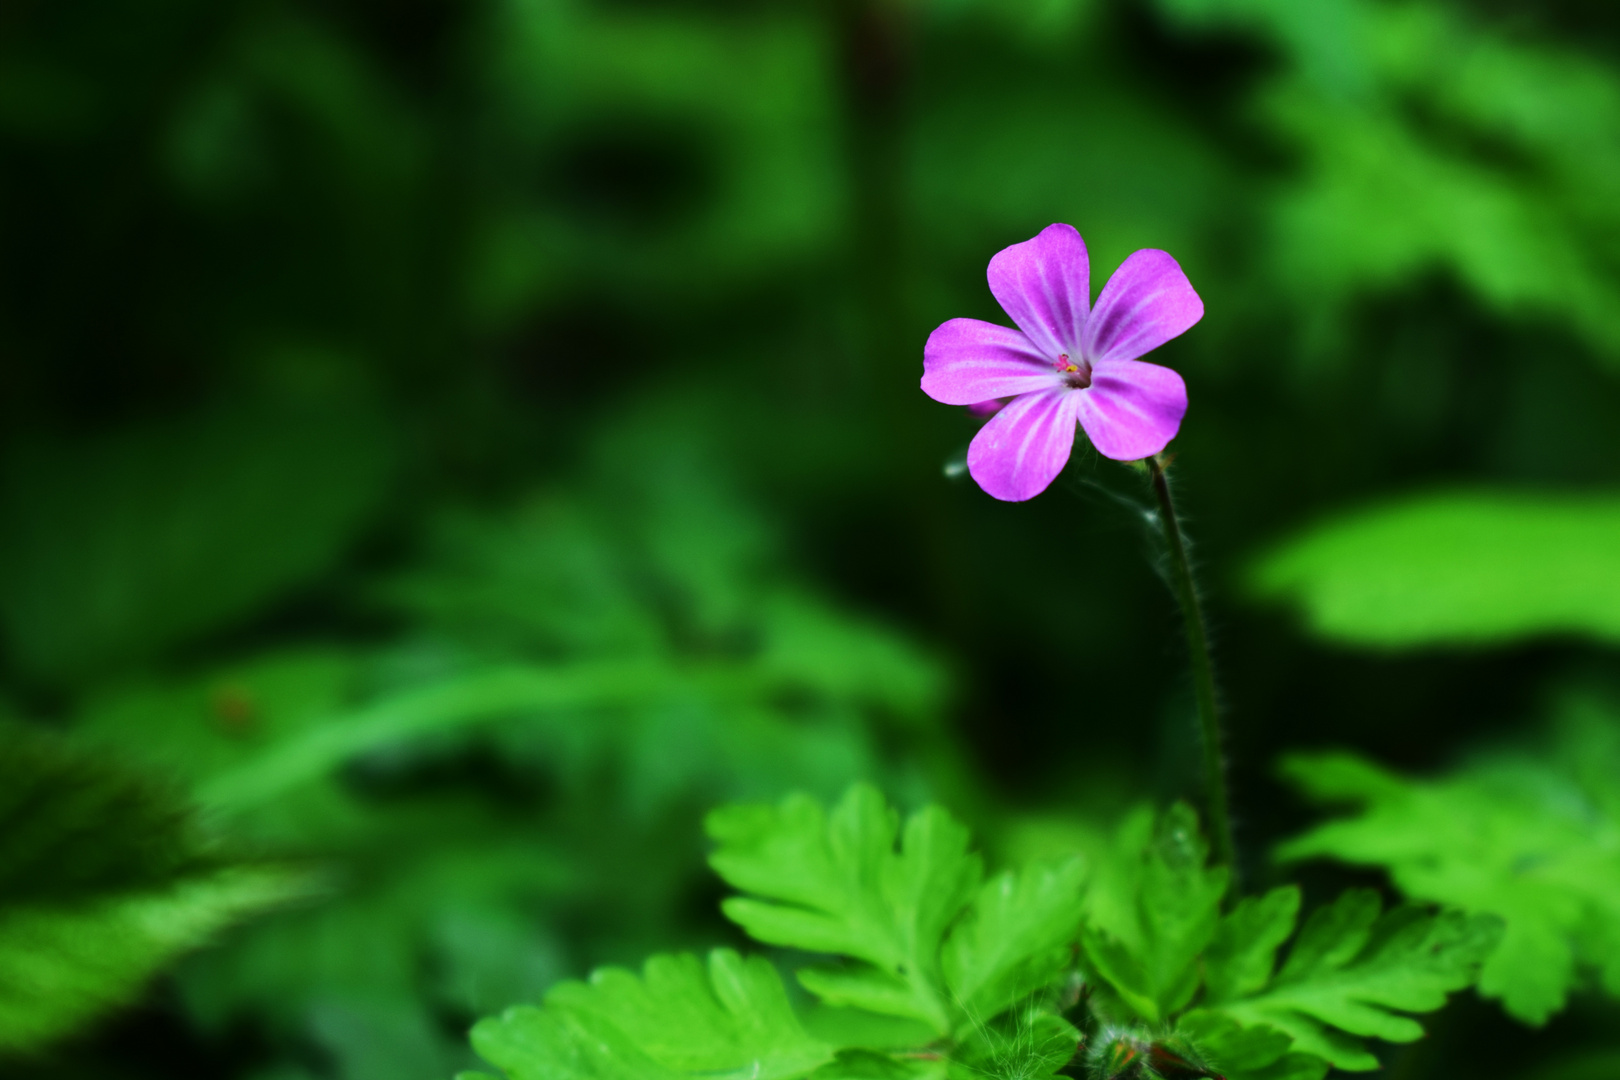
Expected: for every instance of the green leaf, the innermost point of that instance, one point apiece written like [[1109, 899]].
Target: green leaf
[[1350, 972], [1148, 950], [1388, 197], [1025, 1044], [76, 826], [102, 884], [61, 966], [867, 1065], [445, 704], [1016, 937], [836, 884], [1531, 839], [677, 1018], [1260, 1052], [1240, 958], [1463, 568]]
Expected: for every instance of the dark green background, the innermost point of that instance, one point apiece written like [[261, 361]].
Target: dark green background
[[283, 284]]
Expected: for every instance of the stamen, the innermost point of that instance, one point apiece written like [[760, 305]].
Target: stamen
[[1078, 376]]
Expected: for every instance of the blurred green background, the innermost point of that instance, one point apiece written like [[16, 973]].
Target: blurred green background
[[455, 443]]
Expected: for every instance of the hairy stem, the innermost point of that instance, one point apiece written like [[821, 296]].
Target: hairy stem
[[1203, 671]]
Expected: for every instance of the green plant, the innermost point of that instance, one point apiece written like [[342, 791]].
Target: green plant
[[931, 970]]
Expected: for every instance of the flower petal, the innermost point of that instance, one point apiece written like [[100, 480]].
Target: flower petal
[[967, 361], [1024, 446], [1044, 284], [1133, 409], [1147, 302]]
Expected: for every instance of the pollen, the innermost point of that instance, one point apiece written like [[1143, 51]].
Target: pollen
[[1064, 365]]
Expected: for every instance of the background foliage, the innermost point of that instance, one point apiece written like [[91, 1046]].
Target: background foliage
[[448, 447]]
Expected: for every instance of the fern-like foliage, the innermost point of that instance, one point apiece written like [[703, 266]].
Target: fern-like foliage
[[1353, 970], [680, 1017], [1532, 839], [1164, 955], [101, 885], [973, 968], [932, 971]]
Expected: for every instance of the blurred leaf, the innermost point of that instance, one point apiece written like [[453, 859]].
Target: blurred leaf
[[1432, 139], [115, 550], [102, 884], [386, 1037], [1003, 149], [813, 645], [745, 108], [73, 826], [1534, 841], [677, 1018], [1579, 1065], [1038, 24], [62, 966], [334, 740], [505, 791], [1456, 568]]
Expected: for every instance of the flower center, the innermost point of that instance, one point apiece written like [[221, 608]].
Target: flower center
[[1077, 373]]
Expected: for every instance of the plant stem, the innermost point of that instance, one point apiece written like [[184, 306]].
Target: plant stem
[[1203, 671]]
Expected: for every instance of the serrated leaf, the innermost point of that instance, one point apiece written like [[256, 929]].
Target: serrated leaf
[[1457, 568], [1532, 840], [1016, 937], [865, 988], [1241, 956], [1149, 951], [1351, 971], [836, 884], [1260, 1052], [678, 1018]]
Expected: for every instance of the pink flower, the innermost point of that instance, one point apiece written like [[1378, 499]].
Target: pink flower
[[1065, 363]]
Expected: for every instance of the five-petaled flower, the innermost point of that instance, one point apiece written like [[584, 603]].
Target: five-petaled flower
[[1070, 363]]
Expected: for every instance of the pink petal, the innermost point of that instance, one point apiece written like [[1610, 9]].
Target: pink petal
[[1132, 410], [1024, 446], [967, 361], [1146, 303], [987, 408], [1044, 284]]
